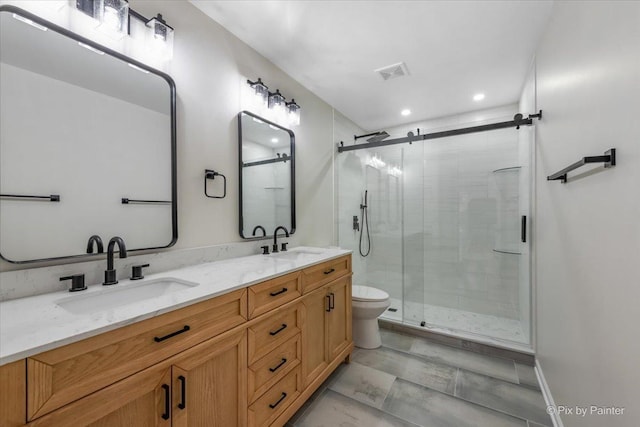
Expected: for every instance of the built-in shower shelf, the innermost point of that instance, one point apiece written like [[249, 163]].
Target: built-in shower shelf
[[502, 251]]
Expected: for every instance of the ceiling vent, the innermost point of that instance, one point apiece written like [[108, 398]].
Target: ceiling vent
[[393, 71]]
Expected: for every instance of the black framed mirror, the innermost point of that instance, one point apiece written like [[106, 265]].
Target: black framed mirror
[[87, 145], [267, 176]]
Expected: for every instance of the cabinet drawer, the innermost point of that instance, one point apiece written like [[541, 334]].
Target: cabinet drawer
[[271, 368], [318, 275], [272, 331], [60, 376], [273, 293], [268, 407]]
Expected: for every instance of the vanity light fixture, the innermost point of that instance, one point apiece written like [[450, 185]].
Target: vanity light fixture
[[478, 97], [114, 19], [273, 104], [405, 112], [30, 22], [274, 140], [260, 92], [293, 110], [113, 16], [160, 37]]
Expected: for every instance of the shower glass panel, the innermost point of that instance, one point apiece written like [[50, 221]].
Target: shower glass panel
[[445, 229]]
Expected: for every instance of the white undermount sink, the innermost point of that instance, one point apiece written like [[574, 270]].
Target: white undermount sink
[[297, 254], [117, 296]]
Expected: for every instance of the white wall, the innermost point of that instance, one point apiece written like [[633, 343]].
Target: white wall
[[210, 67], [588, 230]]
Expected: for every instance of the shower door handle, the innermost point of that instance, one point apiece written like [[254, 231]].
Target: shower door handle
[[523, 229]]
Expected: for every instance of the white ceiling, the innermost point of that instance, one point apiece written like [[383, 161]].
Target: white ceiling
[[453, 49]]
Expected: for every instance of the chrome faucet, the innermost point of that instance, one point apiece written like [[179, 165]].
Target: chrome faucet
[[275, 239], [98, 241], [259, 227], [110, 272]]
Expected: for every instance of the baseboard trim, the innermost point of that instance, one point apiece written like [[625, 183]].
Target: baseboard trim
[[462, 343], [546, 393]]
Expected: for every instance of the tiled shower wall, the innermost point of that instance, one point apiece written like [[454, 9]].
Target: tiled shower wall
[[470, 211], [437, 227]]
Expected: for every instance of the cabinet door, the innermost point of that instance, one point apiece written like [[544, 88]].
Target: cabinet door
[[210, 383], [143, 400], [339, 318], [314, 335]]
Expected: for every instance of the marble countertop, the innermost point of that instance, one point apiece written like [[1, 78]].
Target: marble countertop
[[31, 325]]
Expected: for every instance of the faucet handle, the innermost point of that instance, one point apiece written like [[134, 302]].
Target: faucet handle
[[283, 248], [77, 282], [265, 249], [136, 271]]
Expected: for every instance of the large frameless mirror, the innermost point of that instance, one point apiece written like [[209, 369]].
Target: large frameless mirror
[[267, 170], [87, 145]]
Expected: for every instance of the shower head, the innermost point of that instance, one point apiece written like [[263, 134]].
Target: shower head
[[379, 136]]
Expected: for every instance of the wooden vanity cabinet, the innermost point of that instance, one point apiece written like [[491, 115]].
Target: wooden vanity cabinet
[[63, 375], [203, 386], [327, 327], [251, 357]]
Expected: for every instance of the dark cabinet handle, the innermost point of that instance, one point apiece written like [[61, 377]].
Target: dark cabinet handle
[[273, 405], [273, 294], [183, 392], [167, 403], [276, 332], [523, 229], [330, 271], [328, 297], [172, 334], [332, 301], [275, 368]]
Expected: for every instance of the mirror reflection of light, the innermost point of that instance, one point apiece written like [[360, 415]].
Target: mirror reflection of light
[[91, 48], [135, 67], [257, 120], [30, 22], [274, 140], [376, 162], [394, 171]]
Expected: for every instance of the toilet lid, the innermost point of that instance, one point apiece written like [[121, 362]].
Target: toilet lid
[[367, 293]]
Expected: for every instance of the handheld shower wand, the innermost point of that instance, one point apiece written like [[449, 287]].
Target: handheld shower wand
[[364, 220]]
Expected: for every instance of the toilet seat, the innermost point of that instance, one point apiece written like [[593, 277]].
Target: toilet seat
[[367, 293]]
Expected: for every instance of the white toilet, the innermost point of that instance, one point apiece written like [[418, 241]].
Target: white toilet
[[368, 303]]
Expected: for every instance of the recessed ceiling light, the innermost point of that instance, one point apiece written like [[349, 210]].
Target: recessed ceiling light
[[274, 140], [405, 112], [478, 97]]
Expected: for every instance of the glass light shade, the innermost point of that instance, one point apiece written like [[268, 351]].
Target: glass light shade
[[159, 39], [293, 113], [276, 99], [277, 107], [113, 16], [257, 97]]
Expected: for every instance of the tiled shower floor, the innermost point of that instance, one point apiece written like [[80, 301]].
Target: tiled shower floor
[[411, 381], [453, 320]]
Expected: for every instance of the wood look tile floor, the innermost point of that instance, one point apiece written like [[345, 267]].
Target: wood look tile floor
[[411, 381]]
